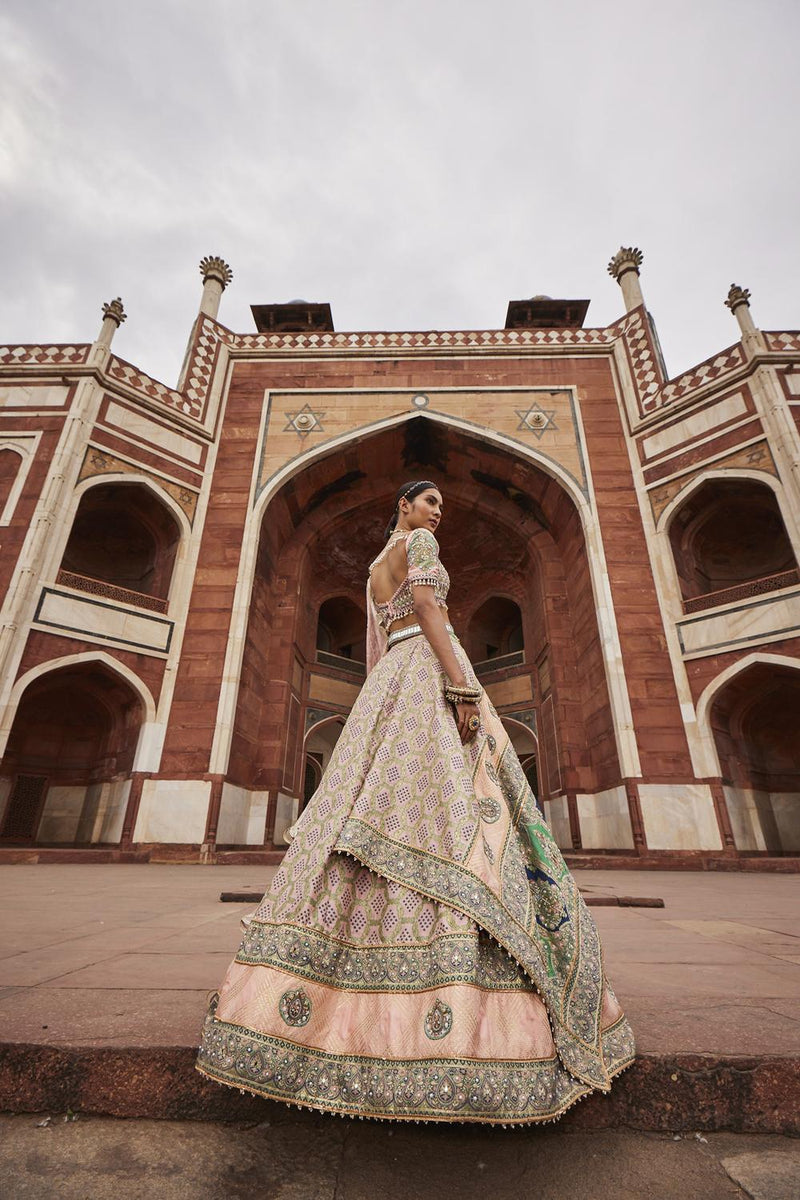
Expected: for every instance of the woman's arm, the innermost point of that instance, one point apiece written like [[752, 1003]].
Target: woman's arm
[[431, 618]]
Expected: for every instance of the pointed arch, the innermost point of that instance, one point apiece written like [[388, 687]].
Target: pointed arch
[[262, 495], [130, 478], [99, 657], [265, 493], [710, 692], [719, 473]]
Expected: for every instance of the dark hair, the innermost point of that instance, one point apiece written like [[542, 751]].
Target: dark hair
[[408, 491]]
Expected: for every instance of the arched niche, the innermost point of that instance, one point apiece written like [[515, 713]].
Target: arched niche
[[123, 543], [341, 633], [729, 540], [754, 723], [495, 634], [69, 757], [510, 530]]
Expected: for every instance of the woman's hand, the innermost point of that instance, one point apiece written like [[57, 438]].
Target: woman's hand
[[462, 713]]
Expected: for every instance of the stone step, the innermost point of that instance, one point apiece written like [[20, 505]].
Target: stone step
[[669, 1092]]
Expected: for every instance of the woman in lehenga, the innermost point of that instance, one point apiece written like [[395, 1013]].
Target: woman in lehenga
[[423, 952]]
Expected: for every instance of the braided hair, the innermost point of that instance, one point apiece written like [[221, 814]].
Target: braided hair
[[407, 492]]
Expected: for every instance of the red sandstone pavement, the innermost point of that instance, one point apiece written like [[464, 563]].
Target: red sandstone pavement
[[124, 956]]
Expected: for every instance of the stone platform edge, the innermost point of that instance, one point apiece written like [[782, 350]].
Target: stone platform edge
[[587, 860], [666, 1093]]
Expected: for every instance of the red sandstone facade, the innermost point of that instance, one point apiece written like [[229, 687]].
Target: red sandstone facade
[[183, 572]]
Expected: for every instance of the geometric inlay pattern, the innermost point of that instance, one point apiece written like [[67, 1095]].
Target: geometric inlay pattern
[[304, 421], [536, 420]]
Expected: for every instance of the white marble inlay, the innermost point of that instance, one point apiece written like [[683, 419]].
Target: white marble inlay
[[605, 820], [102, 619], [753, 620], [18, 396], [61, 814], [173, 810], [285, 816], [557, 817], [693, 426], [153, 433], [786, 808], [679, 816], [767, 821], [242, 816], [793, 383]]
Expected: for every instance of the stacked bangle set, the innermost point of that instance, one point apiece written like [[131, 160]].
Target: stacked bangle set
[[465, 695]]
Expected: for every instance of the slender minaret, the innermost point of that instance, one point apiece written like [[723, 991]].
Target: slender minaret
[[624, 266], [738, 302], [216, 277], [113, 316]]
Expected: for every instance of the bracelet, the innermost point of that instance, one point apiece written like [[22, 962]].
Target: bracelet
[[462, 695]]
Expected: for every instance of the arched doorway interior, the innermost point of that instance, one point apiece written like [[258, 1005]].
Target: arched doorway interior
[[65, 775], [123, 544], [755, 726], [514, 545], [728, 541]]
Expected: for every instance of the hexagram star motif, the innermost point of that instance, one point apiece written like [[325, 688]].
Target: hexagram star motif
[[304, 421], [536, 420]]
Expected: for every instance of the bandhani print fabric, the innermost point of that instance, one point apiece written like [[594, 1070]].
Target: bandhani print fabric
[[423, 952]]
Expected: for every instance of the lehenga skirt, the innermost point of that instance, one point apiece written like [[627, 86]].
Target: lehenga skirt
[[423, 952]]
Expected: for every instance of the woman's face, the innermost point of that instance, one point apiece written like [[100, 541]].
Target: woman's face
[[425, 510]]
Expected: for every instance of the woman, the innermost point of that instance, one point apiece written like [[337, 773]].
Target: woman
[[423, 952]]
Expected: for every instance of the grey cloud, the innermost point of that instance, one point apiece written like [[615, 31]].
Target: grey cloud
[[416, 165]]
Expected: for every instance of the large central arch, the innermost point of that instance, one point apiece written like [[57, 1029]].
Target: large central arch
[[515, 526]]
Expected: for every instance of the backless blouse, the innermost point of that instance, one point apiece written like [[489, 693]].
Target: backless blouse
[[424, 568]]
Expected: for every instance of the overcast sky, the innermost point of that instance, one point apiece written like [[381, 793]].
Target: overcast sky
[[416, 164]]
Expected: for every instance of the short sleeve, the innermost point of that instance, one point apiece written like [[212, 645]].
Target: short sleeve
[[422, 550]]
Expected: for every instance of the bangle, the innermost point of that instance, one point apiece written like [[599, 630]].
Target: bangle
[[462, 695]]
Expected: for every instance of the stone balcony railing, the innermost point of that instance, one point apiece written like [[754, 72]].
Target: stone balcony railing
[[351, 665], [743, 591], [110, 591]]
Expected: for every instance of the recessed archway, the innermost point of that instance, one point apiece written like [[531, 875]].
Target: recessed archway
[[510, 531], [69, 757], [729, 540], [123, 542], [753, 721]]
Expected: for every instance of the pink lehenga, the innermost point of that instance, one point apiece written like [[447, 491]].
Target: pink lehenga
[[423, 952]]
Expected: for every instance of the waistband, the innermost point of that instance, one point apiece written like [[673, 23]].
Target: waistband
[[400, 635]]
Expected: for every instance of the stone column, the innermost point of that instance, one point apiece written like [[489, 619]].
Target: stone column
[[738, 302], [46, 527], [216, 276], [771, 404], [113, 316], [624, 266]]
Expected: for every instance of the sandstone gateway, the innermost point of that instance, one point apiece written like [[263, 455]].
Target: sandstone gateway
[[182, 629]]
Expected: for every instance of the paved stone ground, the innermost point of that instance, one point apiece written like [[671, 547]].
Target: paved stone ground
[[323, 1158], [125, 955]]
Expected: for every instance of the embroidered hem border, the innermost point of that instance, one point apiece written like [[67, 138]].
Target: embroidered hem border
[[451, 958], [435, 1089], [453, 885]]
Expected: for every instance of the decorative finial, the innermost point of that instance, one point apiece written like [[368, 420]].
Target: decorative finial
[[627, 258], [212, 267], [738, 302], [114, 310], [737, 296], [624, 266]]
